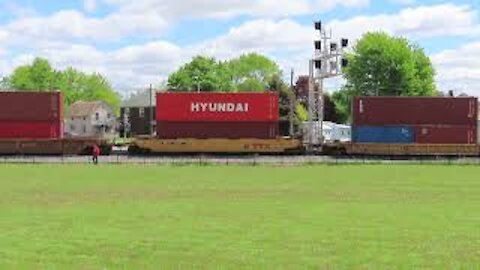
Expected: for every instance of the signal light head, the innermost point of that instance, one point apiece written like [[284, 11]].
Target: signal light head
[[333, 47]]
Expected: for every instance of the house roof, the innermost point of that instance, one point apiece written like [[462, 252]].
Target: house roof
[[84, 108], [140, 99]]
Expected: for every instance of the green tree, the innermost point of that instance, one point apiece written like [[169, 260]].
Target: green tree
[[71, 83], [301, 112], [203, 74], [74, 84], [343, 100], [38, 76], [5, 84], [251, 72], [288, 102], [251, 85], [384, 65]]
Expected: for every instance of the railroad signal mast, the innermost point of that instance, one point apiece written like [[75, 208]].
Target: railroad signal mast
[[327, 62]]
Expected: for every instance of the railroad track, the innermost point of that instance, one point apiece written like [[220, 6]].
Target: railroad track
[[230, 160]]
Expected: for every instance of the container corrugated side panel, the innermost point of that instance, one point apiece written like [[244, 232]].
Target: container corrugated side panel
[[217, 107], [31, 106], [441, 134], [31, 130], [60, 106], [478, 132], [205, 130], [371, 111], [375, 134]]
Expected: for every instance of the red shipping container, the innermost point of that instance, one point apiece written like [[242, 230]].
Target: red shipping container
[[31, 106], [441, 134], [414, 111], [205, 130], [31, 130], [217, 107]]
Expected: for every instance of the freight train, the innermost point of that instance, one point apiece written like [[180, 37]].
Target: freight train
[[233, 123], [31, 123], [248, 123], [217, 123], [414, 126]]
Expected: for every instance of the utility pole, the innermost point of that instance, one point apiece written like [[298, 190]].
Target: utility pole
[[327, 62], [150, 109], [125, 123]]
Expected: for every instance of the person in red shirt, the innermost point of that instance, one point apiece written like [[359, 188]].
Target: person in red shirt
[[95, 153]]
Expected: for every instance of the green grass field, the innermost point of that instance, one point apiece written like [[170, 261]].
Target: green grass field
[[161, 217]]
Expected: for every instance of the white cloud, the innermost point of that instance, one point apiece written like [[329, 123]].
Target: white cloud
[[294, 41], [259, 35], [90, 5], [152, 17], [132, 66], [129, 66], [283, 39], [459, 69], [72, 24], [322, 5], [4, 35], [287, 34], [418, 22], [403, 2], [232, 8]]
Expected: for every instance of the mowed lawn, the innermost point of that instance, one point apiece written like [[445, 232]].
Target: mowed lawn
[[218, 217]]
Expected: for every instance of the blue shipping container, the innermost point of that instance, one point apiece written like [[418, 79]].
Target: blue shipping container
[[377, 134]]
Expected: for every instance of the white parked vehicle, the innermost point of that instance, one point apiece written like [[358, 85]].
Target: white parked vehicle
[[332, 132]]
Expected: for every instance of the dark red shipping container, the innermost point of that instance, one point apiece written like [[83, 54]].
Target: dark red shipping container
[[205, 130], [441, 134], [370, 111], [31, 106], [217, 107], [31, 130]]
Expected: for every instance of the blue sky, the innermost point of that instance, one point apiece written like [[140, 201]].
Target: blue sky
[[135, 43]]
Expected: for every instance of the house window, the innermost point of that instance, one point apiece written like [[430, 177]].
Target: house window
[[109, 116], [141, 112], [84, 129], [97, 116], [84, 118], [72, 127], [127, 110]]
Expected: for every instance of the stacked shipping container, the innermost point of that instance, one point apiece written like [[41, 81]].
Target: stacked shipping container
[[429, 120], [31, 115], [217, 115], [378, 134]]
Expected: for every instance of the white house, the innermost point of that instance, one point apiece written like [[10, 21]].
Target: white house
[[90, 119], [332, 132]]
